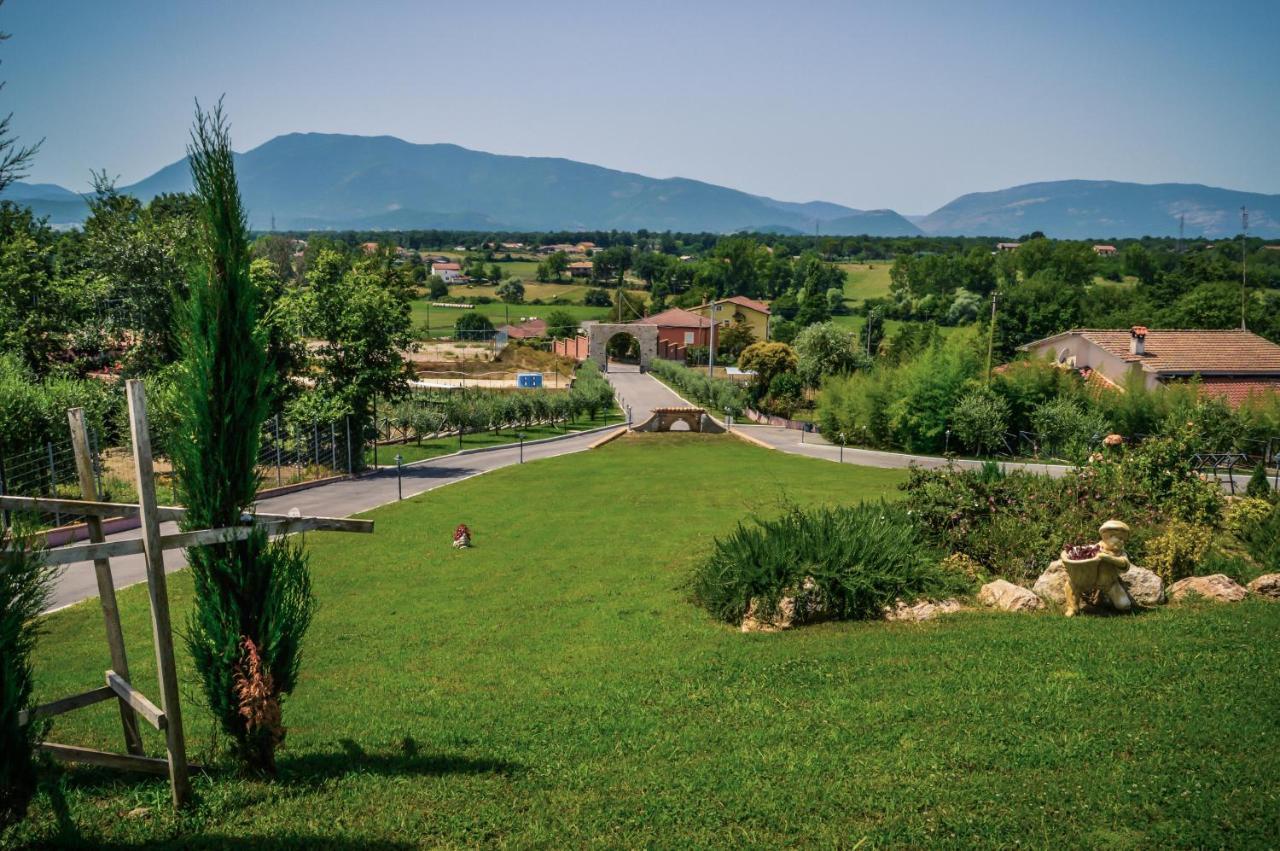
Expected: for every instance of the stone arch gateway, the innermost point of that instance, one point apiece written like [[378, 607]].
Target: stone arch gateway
[[599, 334]]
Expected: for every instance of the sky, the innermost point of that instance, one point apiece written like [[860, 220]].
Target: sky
[[903, 105]]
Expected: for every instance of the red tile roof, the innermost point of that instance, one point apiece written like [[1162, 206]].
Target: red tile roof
[[1236, 390], [759, 306], [528, 328], [446, 267], [675, 317], [1176, 353]]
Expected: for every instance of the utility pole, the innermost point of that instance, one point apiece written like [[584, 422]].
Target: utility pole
[[1244, 262], [1182, 229], [991, 336]]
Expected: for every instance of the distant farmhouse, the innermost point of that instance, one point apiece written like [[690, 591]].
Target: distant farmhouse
[[1231, 364], [449, 272], [580, 269], [1104, 250]]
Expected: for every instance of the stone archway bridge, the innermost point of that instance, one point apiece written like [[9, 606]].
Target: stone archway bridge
[[696, 419]]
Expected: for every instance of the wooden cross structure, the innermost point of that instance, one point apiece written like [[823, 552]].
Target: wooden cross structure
[[167, 717]]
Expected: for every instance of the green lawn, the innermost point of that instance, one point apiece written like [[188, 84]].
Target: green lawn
[[866, 280], [443, 318], [554, 687], [414, 451]]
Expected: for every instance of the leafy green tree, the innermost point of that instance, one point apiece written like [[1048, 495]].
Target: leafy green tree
[[783, 330], [279, 316], [611, 264], [437, 289], [511, 291], [980, 420], [1038, 307], [767, 360], [561, 324], [826, 349], [1258, 486], [253, 600], [39, 308], [361, 317], [596, 297], [734, 337], [557, 265], [473, 325]]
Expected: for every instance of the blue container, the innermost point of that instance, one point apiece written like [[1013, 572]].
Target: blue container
[[529, 380]]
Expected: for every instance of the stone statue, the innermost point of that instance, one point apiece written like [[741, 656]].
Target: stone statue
[[1093, 571]]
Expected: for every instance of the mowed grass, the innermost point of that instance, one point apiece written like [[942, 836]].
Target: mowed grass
[[554, 687], [443, 318], [866, 280]]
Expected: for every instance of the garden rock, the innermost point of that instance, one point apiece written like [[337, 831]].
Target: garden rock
[[1218, 587], [797, 606], [1267, 585], [1052, 584], [1144, 586], [1004, 595], [921, 610]]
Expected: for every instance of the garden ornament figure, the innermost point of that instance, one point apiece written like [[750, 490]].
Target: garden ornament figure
[[461, 537], [1093, 572]]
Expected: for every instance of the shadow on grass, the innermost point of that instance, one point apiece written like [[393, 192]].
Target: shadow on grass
[[315, 769]]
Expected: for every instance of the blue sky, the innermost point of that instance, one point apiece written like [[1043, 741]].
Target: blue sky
[[871, 104]]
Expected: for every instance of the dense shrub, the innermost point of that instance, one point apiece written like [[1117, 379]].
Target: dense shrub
[[716, 394], [33, 411], [1258, 487], [980, 421], [25, 584], [1262, 541], [1242, 515], [860, 559], [1067, 428], [1179, 550]]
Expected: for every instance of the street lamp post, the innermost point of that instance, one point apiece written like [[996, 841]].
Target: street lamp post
[[728, 418], [520, 435], [399, 484], [947, 446], [842, 441]]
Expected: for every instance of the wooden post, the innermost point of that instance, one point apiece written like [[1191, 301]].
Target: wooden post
[[162, 630], [102, 567]]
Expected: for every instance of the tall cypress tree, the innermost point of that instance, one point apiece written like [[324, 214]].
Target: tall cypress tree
[[253, 597]]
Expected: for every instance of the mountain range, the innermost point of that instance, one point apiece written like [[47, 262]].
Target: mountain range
[[319, 181]]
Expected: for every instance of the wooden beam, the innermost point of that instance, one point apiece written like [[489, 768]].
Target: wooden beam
[[128, 762], [84, 506], [157, 587], [284, 525], [66, 704], [148, 710], [102, 568]]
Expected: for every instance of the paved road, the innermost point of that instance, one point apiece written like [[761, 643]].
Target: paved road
[[642, 393]]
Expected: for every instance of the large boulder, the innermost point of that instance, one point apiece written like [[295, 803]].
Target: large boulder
[[1052, 584], [921, 610], [1009, 597], [1267, 585], [1144, 586], [1218, 587]]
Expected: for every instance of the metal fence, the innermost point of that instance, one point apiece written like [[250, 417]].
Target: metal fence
[[50, 471]]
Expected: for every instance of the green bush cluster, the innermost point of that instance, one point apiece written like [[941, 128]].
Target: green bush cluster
[[34, 411], [1014, 524], [850, 561], [910, 399], [715, 394]]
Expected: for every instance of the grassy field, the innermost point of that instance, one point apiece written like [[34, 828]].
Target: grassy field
[[554, 687], [866, 280], [443, 318]]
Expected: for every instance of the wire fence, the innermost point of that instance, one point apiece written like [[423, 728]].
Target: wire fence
[[289, 453]]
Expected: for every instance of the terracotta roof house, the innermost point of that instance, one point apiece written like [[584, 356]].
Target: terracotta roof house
[[679, 327], [1232, 364], [1007, 246], [1104, 250], [580, 269]]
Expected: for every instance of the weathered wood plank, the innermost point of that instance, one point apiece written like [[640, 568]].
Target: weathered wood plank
[[66, 704], [157, 587], [84, 506], [128, 762], [102, 569], [136, 699]]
